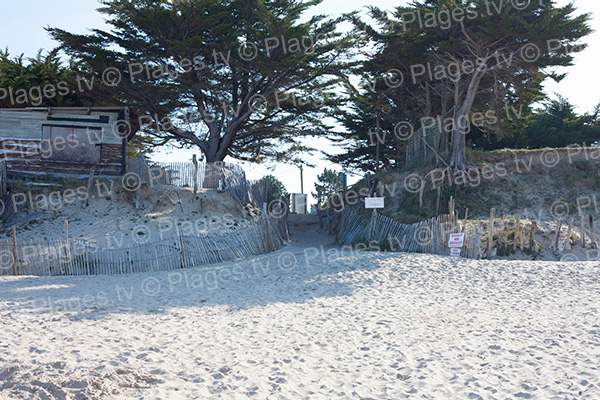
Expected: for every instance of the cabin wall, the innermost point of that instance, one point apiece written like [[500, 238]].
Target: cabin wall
[[70, 144]]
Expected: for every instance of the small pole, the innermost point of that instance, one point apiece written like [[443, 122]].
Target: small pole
[[181, 243], [301, 181], [517, 231], [501, 238], [522, 240], [67, 230], [14, 251], [558, 226], [582, 230], [568, 241], [437, 201], [491, 233], [86, 202], [532, 238], [195, 161], [592, 232], [138, 192]]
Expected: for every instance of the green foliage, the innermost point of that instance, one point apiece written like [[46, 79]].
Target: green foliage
[[500, 40], [328, 183], [42, 81], [217, 74], [276, 186], [555, 125], [361, 136]]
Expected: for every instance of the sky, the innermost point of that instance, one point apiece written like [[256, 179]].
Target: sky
[[22, 32]]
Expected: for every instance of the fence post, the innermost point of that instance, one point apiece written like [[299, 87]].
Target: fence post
[[592, 232], [267, 236], [14, 251], [569, 230], [558, 226], [138, 191], [491, 233], [532, 238], [582, 230], [501, 236], [517, 232], [195, 161], [86, 202], [182, 249]]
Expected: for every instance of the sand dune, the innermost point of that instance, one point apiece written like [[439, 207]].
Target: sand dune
[[298, 324]]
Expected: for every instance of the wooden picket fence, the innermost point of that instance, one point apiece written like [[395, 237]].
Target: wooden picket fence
[[258, 192], [229, 177], [64, 256], [79, 257], [426, 143], [430, 236]]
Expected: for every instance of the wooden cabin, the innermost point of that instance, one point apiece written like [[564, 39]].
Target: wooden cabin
[[66, 142]]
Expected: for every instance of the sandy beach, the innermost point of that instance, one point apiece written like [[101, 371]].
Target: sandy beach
[[307, 322]]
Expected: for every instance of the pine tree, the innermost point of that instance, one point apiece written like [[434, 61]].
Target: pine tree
[[328, 183]]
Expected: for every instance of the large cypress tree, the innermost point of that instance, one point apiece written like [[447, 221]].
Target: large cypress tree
[[493, 55], [240, 78]]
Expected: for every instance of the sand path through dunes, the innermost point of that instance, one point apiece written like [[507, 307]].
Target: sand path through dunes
[[306, 232], [300, 324]]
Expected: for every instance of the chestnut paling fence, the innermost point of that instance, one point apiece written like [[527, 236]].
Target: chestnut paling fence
[[429, 236], [231, 178], [228, 177], [66, 256], [426, 143]]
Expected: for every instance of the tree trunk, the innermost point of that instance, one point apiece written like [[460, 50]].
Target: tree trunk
[[428, 106], [459, 147], [212, 157], [214, 151], [461, 122], [445, 138]]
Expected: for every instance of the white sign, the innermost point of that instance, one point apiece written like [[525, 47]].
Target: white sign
[[374, 202], [456, 240], [454, 252]]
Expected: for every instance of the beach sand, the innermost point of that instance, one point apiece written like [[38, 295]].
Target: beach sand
[[307, 323]]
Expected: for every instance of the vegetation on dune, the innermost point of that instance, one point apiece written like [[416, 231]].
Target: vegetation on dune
[[474, 71], [251, 79]]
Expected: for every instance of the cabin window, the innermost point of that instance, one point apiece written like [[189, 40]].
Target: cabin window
[[71, 144]]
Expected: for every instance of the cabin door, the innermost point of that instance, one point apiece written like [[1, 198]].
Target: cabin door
[[71, 144]]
